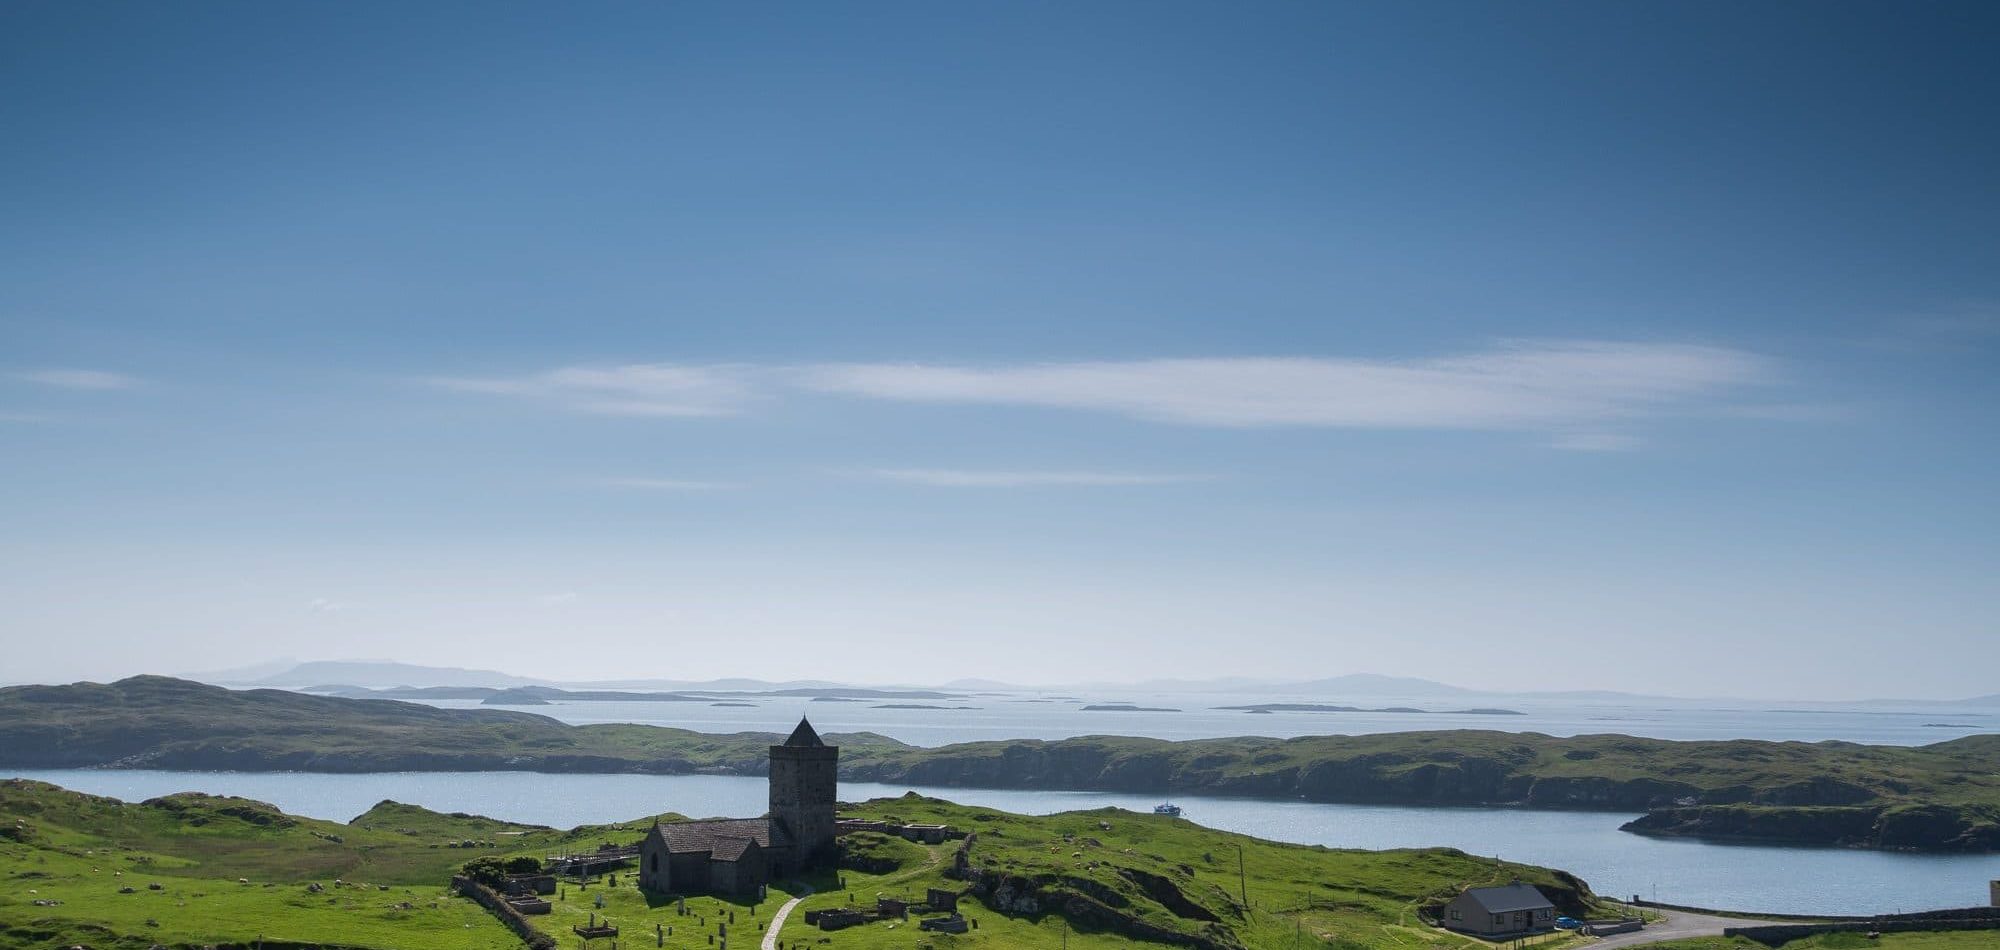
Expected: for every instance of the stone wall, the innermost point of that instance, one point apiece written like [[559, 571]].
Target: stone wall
[[954, 924], [1954, 913], [517, 884], [496, 905], [1780, 934]]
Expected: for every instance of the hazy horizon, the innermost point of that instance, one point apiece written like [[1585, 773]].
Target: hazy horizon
[[1352, 687], [1565, 346]]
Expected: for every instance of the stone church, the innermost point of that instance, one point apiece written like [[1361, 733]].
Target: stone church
[[737, 855]]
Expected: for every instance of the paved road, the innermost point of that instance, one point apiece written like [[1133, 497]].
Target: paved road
[[1679, 924], [778, 919]]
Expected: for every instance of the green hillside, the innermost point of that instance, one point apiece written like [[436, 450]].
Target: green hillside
[[190, 870], [193, 870], [1095, 880], [1112, 873]]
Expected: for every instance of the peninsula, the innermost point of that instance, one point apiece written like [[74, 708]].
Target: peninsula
[[193, 870], [1940, 797]]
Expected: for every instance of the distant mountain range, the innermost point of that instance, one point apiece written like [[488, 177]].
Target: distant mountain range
[[544, 695], [381, 674], [359, 677], [336, 675]]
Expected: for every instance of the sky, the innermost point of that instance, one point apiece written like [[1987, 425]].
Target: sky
[[1645, 346]]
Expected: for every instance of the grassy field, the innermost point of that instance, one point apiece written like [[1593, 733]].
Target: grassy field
[[230, 870], [1148, 870], [1943, 797], [1171, 873], [204, 870]]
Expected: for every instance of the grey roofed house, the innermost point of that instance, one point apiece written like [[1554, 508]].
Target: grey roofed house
[[1513, 908]]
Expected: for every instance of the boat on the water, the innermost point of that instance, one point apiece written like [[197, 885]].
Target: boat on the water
[[1167, 808]]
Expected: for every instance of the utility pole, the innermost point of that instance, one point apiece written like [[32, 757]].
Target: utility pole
[[1242, 880]]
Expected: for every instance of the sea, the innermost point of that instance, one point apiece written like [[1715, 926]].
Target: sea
[[1749, 878], [998, 716]]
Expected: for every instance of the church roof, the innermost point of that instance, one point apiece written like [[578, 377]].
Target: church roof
[[719, 836], [804, 735], [730, 849]]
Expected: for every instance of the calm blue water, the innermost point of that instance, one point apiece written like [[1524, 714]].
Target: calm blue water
[[1014, 717], [1756, 879]]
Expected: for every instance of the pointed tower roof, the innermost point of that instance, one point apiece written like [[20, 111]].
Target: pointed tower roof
[[804, 736]]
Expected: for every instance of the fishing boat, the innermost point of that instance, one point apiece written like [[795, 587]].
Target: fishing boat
[[1167, 808]]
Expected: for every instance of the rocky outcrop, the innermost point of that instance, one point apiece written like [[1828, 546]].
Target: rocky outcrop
[[1090, 905], [1901, 828], [1167, 894], [197, 809]]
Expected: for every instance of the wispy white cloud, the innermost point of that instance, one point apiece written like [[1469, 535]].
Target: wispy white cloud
[[321, 605], [78, 378], [1558, 387], [23, 418], [639, 389], [964, 478], [1522, 386], [662, 484], [557, 599]]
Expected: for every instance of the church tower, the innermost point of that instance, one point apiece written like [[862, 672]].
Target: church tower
[[804, 786]]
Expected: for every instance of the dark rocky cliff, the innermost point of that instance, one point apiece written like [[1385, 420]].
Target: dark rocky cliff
[[1899, 828]]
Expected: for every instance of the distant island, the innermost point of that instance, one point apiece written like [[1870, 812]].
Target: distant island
[[917, 706], [1939, 797], [515, 697], [1322, 707], [1126, 707]]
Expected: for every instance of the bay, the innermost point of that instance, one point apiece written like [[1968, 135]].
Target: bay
[[1755, 879], [997, 717]]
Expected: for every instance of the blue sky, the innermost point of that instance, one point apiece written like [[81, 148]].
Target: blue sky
[[1491, 343]]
